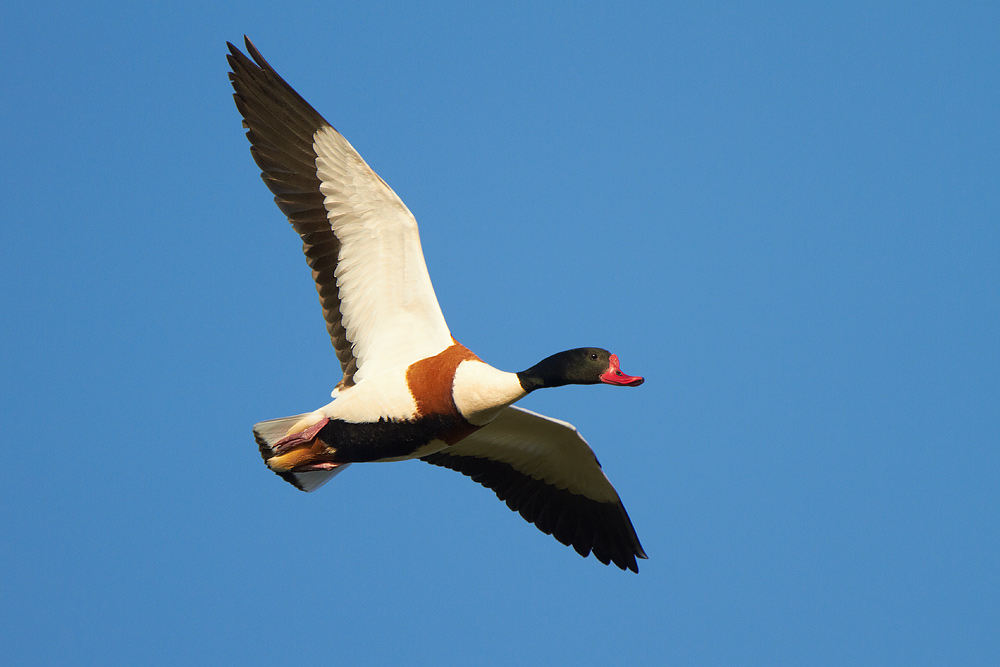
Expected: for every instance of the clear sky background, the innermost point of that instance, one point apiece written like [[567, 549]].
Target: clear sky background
[[786, 216]]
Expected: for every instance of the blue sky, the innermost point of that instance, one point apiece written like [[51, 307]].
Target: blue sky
[[783, 215]]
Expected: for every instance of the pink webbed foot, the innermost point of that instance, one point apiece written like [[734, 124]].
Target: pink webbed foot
[[298, 439]]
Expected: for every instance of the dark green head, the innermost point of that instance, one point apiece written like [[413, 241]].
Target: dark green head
[[584, 365]]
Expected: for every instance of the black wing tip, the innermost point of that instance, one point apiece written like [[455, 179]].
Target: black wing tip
[[237, 59], [610, 537], [260, 71], [255, 54], [251, 49]]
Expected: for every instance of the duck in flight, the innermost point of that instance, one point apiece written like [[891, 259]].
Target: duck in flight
[[409, 389]]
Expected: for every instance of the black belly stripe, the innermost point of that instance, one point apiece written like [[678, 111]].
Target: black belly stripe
[[385, 439]]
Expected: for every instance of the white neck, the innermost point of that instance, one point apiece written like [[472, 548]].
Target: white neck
[[480, 391]]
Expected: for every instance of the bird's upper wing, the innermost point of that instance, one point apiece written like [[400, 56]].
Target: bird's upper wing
[[545, 470], [359, 238]]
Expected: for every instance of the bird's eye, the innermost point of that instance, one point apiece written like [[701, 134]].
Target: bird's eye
[[593, 356]]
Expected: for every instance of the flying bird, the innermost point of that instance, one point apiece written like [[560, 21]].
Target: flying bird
[[410, 390]]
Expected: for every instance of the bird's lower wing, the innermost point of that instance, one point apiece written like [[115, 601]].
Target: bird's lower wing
[[544, 469]]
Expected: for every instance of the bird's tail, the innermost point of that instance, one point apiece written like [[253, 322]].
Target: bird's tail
[[271, 432]]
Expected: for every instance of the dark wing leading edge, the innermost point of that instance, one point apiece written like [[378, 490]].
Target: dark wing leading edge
[[545, 470], [280, 126], [360, 240]]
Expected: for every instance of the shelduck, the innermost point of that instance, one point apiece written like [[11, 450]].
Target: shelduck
[[409, 389]]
